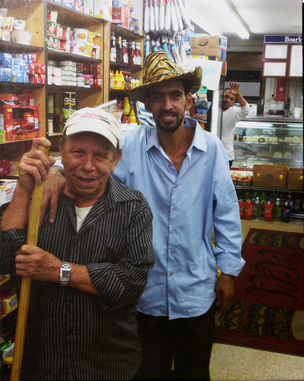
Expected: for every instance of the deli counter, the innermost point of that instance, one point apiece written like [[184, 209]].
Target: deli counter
[[268, 140]]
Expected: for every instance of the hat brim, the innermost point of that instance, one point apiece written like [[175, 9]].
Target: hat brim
[[91, 127], [192, 78]]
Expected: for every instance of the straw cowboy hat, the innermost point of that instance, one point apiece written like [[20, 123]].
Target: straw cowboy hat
[[158, 68]]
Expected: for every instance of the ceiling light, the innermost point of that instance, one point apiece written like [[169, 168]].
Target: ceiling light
[[224, 9], [202, 22]]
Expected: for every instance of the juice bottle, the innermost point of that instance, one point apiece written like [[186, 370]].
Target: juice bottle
[[241, 205], [268, 210], [248, 206]]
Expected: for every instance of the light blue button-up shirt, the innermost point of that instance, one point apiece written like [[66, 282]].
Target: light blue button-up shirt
[[186, 207]]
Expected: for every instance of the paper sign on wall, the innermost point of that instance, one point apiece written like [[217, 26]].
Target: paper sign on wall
[[211, 71]]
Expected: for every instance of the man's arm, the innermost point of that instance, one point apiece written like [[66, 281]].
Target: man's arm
[[33, 262], [235, 90]]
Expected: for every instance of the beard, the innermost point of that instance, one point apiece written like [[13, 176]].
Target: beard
[[168, 127]]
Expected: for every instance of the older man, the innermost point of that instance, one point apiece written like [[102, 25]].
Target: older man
[[89, 267]]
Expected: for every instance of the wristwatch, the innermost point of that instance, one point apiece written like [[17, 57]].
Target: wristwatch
[[65, 273]]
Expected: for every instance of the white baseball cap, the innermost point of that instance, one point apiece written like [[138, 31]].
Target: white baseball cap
[[94, 120]]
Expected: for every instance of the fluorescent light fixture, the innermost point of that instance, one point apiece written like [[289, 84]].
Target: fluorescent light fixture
[[202, 22], [224, 9]]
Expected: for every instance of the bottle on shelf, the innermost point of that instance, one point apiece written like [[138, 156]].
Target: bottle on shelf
[[113, 47], [133, 117], [241, 204], [248, 205], [125, 56], [132, 55], [125, 111], [256, 208], [277, 208], [119, 50], [138, 54], [268, 207]]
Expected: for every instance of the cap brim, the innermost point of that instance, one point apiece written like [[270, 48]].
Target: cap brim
[[193, 79], [90, 127]]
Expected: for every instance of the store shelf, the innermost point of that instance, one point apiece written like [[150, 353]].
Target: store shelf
[[121, 66], [19, 85], [54, 88], [61, 56], [13, 47], [125, 33]]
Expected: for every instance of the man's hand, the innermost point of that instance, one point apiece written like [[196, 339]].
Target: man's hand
[[224, 291], [234, 88], [52, 189], [31, 261], [34, 165]]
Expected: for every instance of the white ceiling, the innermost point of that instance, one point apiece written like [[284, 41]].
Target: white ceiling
[[260, 16]]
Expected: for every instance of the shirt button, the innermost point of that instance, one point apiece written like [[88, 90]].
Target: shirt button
[[174, 207], [176, 186], [169, 165], [171, 274], [173, 230], [172, 252]]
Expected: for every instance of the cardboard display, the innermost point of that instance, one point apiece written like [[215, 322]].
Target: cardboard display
[[270, 176]]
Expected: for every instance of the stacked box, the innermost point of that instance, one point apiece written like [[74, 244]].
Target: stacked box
[[206, 46], [103, 9], [121, 12], [7, 188], [270, 176], [20, 122], [295, 179]]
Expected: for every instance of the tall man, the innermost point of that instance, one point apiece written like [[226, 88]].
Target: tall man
[[232, 115], [89, 267], [183, 172]]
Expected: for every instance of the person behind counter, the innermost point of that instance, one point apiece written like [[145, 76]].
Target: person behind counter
[[89, 267], [183, 172], [232, 115]]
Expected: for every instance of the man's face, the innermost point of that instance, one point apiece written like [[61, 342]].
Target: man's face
[[168, 103], [228, 100], [88, 163]]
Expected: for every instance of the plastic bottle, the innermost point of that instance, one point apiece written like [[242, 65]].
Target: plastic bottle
[[111, 79], [248, 206], [116, 81], [263, 200], [125, 111], [256, 208], [277, 208], [132, 117], [7, 368], [125, 56], [138, 54], [147, 45], [241, 205], [113, 47], [268, 210], [132, 56], [122, 81]]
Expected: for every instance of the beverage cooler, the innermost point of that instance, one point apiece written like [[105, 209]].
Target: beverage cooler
[[268, 168]]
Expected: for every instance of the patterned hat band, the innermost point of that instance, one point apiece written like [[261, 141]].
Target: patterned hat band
[[159, 68]]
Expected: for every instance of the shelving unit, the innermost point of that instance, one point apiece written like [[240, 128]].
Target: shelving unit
[[35, 14]]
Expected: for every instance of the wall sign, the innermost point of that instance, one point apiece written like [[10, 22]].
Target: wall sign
[[282, 56], [296, 61]]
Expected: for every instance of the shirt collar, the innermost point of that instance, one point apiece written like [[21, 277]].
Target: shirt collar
[[198, 141]]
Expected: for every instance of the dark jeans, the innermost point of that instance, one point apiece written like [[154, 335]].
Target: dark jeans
[[187, 342]]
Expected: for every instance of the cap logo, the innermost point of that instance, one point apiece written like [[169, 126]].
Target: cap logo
[[95, 116]]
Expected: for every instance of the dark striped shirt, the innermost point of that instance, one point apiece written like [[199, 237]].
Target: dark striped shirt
[[73, 335]]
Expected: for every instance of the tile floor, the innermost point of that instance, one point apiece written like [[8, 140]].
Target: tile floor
[[229, 362]]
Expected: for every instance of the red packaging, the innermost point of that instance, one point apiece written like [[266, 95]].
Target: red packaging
[[20, 122]]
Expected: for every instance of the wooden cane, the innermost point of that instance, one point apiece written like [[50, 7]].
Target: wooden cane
[[24, 299]]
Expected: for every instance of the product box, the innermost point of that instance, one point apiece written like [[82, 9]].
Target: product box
[[8, 304], [103, 9], [270, 176], [134, 25], [121, 12], [205, 46], [88, 7], [7, 188], [241, 177], [295, 179], [20, 122], [79, 5], [68, 3]]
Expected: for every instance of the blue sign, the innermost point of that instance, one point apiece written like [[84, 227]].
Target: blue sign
[[285, 39]]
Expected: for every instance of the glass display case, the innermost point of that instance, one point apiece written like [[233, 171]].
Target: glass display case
[[268, 140]]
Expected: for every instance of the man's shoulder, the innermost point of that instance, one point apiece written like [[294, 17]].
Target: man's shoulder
[[123, 193]]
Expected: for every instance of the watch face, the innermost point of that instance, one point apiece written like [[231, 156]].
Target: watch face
[[65, 275]]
